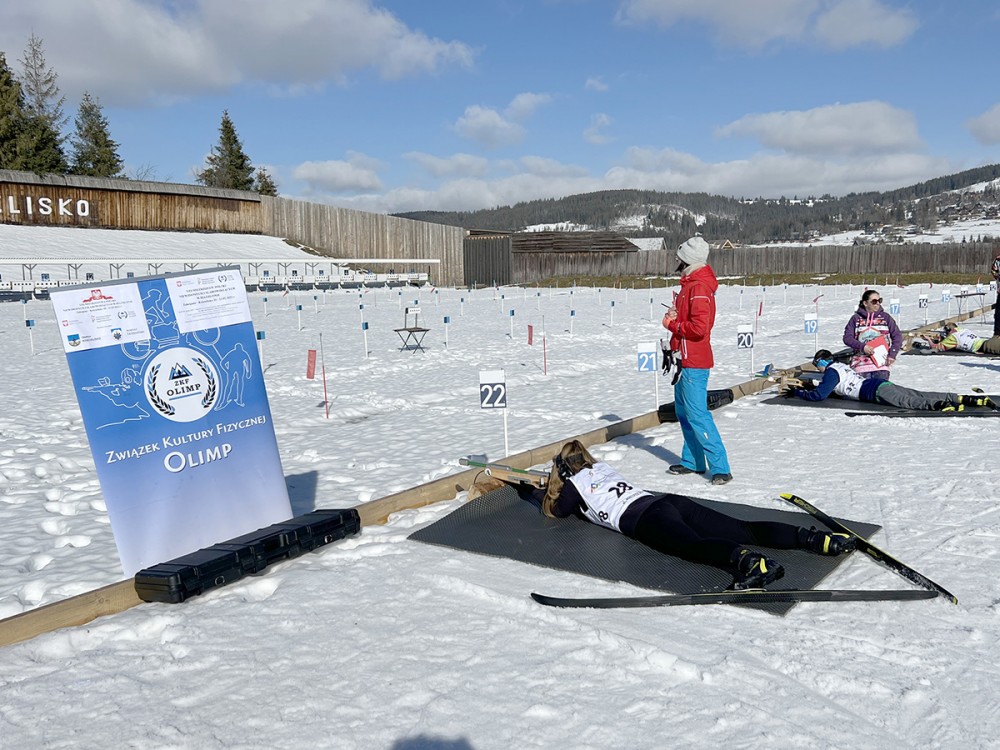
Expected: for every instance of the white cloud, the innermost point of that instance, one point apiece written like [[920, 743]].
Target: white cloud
[[834, 130], [771, 175], [457, 164], [335, 176], [834, 23], [762, 174], [594, 133], [596, 83], [524, 105], [986, 127], [132, 51], [488, 127], [492, 129], [853, 23]]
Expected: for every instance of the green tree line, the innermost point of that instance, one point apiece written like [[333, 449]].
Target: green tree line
[[34, 137]]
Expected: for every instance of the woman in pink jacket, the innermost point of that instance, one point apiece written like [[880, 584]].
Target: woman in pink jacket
[[868, 326], [690, 321]]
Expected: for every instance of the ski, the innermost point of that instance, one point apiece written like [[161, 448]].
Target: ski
[[508, 473], [870, 549], [749, 596], [975, 411]]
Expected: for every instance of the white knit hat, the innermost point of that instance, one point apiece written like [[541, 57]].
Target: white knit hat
[[694, 252]]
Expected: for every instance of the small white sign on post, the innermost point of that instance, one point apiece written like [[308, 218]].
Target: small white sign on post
[[493, 395], [922, 304], [647, 363]]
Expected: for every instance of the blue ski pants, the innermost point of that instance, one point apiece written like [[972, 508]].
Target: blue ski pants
[[703, 448]]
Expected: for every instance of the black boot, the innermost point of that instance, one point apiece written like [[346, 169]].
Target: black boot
[[753, 570], [826, 542]]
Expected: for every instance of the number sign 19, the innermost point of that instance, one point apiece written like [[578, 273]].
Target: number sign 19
[[810, 324], [492, 389]]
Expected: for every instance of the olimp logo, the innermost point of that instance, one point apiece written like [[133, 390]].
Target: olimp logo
[[181, 384]]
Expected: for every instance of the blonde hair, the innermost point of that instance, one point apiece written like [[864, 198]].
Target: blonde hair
[[576, 457]]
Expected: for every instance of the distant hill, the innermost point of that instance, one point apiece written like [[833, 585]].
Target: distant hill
[[676, 216]]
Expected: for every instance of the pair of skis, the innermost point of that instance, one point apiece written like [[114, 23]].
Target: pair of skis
[[928, 588]]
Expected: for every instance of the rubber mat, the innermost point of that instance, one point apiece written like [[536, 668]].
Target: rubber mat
[[833, 402], [502, 524]]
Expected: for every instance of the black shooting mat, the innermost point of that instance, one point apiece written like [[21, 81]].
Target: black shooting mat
[[833, 402], [850, 405], [502, 524]]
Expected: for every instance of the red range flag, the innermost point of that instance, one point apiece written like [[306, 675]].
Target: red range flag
[[531, 335], [311, 365]]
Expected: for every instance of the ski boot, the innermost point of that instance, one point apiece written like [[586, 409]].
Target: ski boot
[[826, 542], [977, 400], [754, 571]]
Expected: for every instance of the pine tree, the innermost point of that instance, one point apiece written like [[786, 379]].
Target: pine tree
[[95, 154], [40, 144], [227, 166], [12, 118], [264, 184], [38, 84], [39, 148]]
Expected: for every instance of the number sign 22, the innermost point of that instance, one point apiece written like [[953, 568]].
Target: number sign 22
[[492, 389]]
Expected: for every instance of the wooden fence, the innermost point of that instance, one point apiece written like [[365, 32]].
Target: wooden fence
[[485, 262], [346, 233]]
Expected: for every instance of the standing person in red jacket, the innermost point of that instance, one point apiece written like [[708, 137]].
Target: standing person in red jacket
[[690, 321]]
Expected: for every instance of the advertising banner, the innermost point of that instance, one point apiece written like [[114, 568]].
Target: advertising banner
[[170, 387]]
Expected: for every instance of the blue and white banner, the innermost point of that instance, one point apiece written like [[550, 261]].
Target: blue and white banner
[[169, 382]]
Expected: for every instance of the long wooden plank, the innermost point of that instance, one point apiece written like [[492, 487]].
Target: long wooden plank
[[76, 610], [118, 597]]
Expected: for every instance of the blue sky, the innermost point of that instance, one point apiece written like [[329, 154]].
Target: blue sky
[[399, 105]]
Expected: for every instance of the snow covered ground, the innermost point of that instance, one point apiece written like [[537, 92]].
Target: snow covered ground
[[381, 642]]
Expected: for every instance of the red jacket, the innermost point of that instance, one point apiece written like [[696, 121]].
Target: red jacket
[[692, 329]]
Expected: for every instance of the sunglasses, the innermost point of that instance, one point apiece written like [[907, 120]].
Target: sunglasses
[[874, 301]]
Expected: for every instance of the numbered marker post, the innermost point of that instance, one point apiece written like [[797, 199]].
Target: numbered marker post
[[316, 303], [493, 395], [810, 326], [922, 304], [298, 311], [744, 339], [260, 346], [572, 314], [612, 313], [265, 307], [447, 321], [647, 363], [364, 334], [30, 324], [946, 298], [511, 325]]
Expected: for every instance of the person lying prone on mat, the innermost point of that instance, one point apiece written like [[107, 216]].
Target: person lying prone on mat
[[676, 524], [843, 381], [960, 339]]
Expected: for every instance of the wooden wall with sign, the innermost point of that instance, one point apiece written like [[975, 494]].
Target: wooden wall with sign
[[68, 200]]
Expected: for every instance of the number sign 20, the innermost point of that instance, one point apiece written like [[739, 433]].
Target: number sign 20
[[744, 337]]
